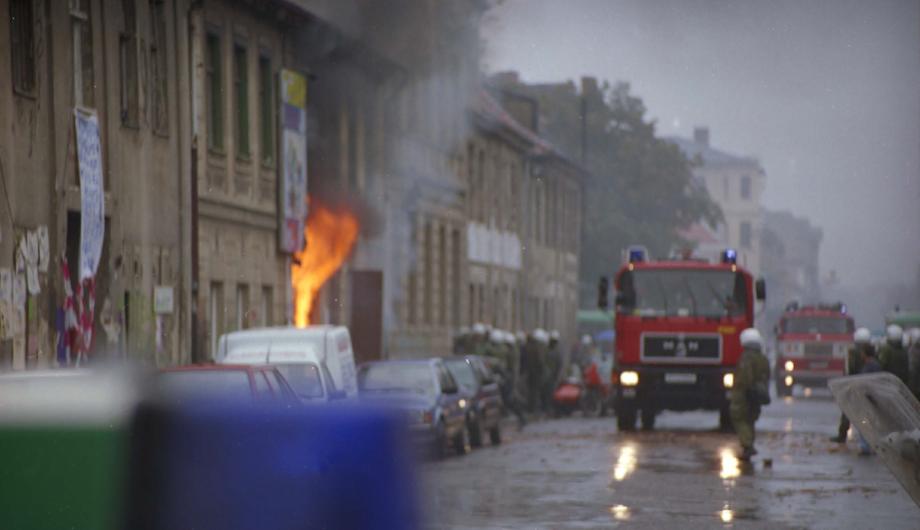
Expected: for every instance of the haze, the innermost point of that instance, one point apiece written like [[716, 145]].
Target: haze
[[826, 94]]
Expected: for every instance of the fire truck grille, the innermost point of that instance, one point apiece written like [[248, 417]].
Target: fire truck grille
[[818, 349], [681, 347]]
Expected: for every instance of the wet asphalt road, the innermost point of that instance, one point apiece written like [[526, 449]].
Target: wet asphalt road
[[579, 473]]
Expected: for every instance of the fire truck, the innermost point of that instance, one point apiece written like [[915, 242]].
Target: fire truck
[[677, 334], [811, 345]]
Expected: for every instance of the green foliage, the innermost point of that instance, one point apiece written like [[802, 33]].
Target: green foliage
[[641, 188]]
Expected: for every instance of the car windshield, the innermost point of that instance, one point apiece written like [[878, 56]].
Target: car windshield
[[463, 373], [683, 292], [400, 377], [205, 383], [813, 325], [303, 378]]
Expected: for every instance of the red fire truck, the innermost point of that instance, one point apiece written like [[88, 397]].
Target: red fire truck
[[677, 334], [811, 345]]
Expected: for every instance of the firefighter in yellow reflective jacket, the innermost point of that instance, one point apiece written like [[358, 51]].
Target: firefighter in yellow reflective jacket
[[750, 390]]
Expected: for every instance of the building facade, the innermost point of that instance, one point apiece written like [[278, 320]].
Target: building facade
[[736, 184]]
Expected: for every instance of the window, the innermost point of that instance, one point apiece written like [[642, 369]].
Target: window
[[242, 306], [429, 274], [241, 91], [746, 187], [745, 234], [22, 46], [215, 92], [159, 108], [127, 62], [263, 391], [266, 111], [84, 82], [267, 313], [442, 273]]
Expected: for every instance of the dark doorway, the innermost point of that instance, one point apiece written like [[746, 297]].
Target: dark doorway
[[367, 315]]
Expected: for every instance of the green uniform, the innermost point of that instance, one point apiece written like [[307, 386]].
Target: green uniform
[[753, 368], [893, 358], [854, 366]]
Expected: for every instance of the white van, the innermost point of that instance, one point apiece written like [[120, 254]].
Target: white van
[[317, 361]]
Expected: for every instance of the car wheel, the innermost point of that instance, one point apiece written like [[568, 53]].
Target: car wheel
[[626, 419], [648, 419], [495, 435], [475, 429], [461, 443]]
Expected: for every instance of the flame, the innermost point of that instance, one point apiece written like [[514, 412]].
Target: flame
[[331, 235]]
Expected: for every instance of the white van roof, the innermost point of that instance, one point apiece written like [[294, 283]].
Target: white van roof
[[277, 344]]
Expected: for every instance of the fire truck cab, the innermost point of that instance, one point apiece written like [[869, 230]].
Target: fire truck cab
[[677, 334], [811, 345]]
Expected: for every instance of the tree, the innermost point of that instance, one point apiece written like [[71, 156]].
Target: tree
[[640, 188]]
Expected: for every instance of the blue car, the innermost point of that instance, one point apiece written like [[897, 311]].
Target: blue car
[[427, 392], [484, 408]]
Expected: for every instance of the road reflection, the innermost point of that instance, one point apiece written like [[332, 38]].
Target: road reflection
[[726, 514], [620, 512], [626, 462], [731, 467]]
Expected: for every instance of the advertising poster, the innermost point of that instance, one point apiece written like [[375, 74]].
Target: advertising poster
[[293, 200]]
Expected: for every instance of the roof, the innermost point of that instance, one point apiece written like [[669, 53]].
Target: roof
[[709, 155], [487, 107], [904, 318], [698, 233], [216, 368]]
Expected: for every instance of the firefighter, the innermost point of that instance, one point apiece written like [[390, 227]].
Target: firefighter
[[892, 357], [862, 340], [750, 390]]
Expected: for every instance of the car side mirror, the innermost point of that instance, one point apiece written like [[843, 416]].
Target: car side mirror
[[603, 287], [337, 394], [450, 390], [760, 289], [621, 299]]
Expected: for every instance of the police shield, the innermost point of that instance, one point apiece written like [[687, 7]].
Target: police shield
[[888, 416]]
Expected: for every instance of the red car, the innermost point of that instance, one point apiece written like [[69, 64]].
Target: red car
[[259, 383]]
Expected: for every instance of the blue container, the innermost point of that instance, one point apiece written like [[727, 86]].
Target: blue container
[[229, 466]]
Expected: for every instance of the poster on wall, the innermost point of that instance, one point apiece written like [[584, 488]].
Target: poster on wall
[[293, 190], [92, 198]]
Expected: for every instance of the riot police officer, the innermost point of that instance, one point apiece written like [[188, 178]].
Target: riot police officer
[[892, 357], [749, 391], [862, 340]]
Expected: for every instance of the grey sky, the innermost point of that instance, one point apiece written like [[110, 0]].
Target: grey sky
[[825, 93]]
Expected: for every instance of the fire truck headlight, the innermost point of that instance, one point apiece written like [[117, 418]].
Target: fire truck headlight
[[629, 378], [790, 366], [728, 380], [788, 380]]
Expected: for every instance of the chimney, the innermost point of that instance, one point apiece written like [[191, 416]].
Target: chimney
[[701, 136]]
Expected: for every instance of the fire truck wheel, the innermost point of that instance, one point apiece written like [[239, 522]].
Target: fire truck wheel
[[725, 420], [626, 420], [648, 420]]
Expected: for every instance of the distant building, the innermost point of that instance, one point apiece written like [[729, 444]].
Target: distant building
[[789, 261], [736, 183]]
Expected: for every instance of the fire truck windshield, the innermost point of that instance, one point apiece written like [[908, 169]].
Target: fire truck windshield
[[687, 292], [815, 324]]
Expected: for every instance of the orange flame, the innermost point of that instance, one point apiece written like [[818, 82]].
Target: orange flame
[[330, 237]]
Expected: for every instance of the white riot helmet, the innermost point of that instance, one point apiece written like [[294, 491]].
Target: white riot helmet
[[894, 333], [554, 334], [497, 335], [862, 336], [914, 334], [509, 338], [750, 338], [586, 340], [540, 336], [479, 328]]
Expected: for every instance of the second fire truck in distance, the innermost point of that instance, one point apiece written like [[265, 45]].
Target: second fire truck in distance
[[677, 334], [811, 345]]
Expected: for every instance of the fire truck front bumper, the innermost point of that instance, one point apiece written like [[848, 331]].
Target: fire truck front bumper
[[678, 388]]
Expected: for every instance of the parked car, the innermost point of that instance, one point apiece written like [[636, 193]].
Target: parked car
[[429, 395], [306, 356], [256, 383], [484, 409]]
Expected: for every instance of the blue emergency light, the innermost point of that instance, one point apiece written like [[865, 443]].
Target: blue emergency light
[[729, 255], [637, 254]]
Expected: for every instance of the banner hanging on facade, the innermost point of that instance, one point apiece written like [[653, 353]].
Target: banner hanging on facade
[[293, 192], [92, 193]]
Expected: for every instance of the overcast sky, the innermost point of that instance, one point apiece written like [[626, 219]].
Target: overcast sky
[[825, 93]]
